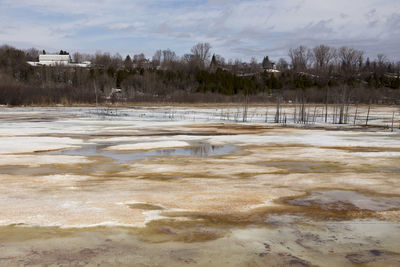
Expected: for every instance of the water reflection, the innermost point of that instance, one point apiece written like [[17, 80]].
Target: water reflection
[[200, 150]]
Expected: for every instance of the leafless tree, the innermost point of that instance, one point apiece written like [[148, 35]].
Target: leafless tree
[[323, 56], [156, 60], [80, 57], [282, 64], [254, 66], [350, 59], [102, 59], [139, 58], [116, 61], [187, 58], [381, 64], [76, 57], [381, 60], [32, 54], [169, 55], [220, 60], [169, 58], [202, 51], [236, 66], [300, 58]]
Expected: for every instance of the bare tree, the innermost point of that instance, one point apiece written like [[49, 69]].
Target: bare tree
[[282, 64], [323, 55], [300, 58], [79, 57], [350, 59], [169, 55], [116, 61], [156, 60], [381, 60], [202, 51], [32, 54], [139, 58], [220, 60], [187, 58], [102, 59], [254, 66], [236, 66], [168, 58]]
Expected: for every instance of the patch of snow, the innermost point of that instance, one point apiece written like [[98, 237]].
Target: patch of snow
[[29, 144]]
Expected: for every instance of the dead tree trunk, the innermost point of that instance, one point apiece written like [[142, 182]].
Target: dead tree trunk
[[342, 104], [355, 115], [392, 121], [246, 104], [326, 104], [366, 121], [278, 104], [266, 116], [95, 92], [315, 110]]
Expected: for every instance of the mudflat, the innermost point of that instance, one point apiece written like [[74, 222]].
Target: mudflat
[[172, 186]]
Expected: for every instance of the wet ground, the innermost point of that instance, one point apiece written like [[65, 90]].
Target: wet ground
[[177, 186]]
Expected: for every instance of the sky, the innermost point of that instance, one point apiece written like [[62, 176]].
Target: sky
[[234, 28]]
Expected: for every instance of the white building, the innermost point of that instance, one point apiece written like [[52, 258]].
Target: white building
[[57, 60], [51, 60]]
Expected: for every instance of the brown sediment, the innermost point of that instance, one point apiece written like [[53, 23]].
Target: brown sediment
[[363, 148], [229, 128], [189, 230], [18, 233], [204, 202], [144, 206]]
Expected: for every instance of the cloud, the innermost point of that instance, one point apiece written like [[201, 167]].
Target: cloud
[[122, 26], [235, 28]]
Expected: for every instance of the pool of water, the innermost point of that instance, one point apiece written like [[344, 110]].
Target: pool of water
[[200, 150]]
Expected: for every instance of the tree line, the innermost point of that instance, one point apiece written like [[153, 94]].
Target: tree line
[[321, 74]]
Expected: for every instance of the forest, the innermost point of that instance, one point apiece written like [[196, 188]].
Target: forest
[[322, 74]]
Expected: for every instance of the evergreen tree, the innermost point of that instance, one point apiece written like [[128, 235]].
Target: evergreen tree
[[266, 63], [128, 63], [213, 65]]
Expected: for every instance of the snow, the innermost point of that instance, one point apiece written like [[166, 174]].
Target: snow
[[13, 145], [270, 163], [38, 160]]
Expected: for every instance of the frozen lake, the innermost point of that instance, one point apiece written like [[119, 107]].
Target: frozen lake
[[164, 185]]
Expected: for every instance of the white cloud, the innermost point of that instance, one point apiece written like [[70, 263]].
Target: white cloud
[[235, 28]]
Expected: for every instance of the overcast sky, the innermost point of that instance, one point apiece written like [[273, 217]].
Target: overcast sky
[[234, 28]]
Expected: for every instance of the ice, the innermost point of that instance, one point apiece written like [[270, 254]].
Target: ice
[[41, 169]]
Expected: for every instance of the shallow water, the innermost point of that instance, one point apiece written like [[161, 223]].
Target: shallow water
[[201, 150], [234, 195]]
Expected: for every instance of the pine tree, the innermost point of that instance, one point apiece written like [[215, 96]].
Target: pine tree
[[128, 63], [213, 65], [266, 63]]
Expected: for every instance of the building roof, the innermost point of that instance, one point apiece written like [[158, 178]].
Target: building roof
[[54, 58]]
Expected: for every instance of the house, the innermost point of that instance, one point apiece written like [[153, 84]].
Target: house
[[57, 60], [143, 63]]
